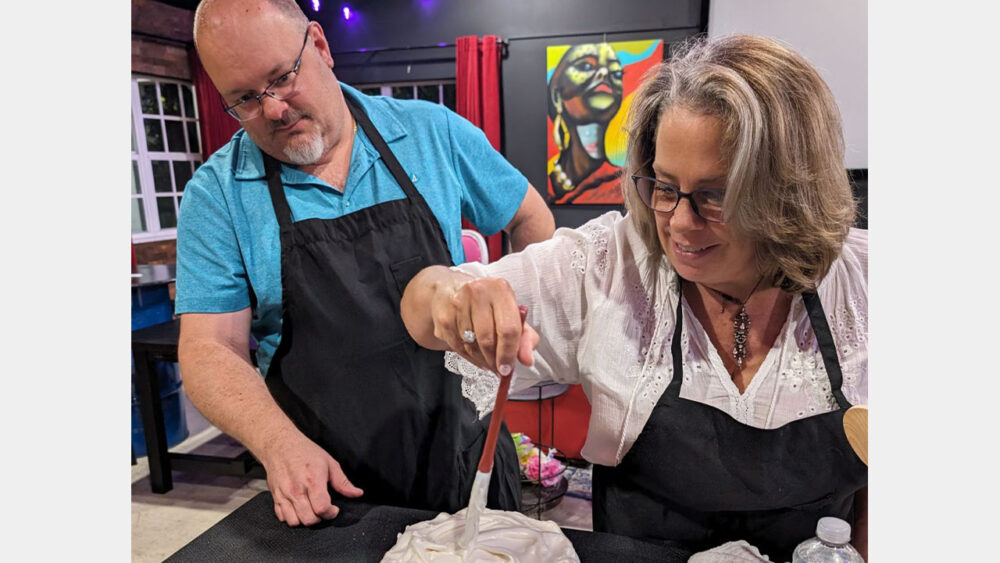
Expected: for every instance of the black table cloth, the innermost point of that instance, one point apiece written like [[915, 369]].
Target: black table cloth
[[363, 532]]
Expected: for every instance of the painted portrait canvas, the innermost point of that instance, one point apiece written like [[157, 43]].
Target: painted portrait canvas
[[590, 87]]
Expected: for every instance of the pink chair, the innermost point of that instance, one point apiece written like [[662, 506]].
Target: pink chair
[[475, 247]]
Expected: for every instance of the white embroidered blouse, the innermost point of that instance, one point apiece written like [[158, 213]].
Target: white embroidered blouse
[[600, 327]]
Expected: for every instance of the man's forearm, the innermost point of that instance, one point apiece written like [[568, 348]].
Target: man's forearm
[[533, 221], [229, 392], [531, 231]]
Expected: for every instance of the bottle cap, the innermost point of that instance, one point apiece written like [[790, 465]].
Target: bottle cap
[[833, 530]]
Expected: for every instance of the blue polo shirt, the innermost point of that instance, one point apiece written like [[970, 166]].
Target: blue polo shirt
[[227, 232]]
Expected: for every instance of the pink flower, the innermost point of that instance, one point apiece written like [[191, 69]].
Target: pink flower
[[552, 468]]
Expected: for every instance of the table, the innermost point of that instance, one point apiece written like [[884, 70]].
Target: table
[[151, 303], [364, 532], [158, 343]]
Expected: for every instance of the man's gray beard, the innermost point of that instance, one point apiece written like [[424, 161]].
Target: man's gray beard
[[304, 154]]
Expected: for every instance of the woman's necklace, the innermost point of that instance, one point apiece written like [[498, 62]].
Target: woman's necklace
[[741, 323]]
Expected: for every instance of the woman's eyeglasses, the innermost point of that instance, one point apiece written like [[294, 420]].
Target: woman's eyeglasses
[[664, 198]]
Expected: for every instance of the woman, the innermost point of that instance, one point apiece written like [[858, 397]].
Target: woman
[[585, 93], [719, 329]]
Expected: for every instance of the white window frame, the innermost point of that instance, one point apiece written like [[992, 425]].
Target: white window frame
[[385, 88], [144, 158]]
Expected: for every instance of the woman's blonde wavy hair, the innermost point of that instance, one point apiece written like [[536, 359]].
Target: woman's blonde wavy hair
[[787, 188]]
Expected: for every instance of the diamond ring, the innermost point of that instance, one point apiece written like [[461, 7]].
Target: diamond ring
[[468, 336]]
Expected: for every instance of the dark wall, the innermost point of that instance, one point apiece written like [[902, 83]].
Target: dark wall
[[396, 32], [859, 187]]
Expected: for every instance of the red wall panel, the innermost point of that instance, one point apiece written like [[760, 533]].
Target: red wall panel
[[572, 416]]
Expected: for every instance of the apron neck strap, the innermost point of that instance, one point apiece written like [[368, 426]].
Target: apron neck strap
[[817, 318], [272, 168], [820, 327], [383, 149], [674, 389]]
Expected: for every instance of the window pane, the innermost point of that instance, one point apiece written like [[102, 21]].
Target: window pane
[[133, 133], [449, 96], [182, 173], [402, 92], [175, 136], [197, 163], [138, 217], [147, 97], [373, 91], [192, 127], [165, 209], [188, 96], [428, 92], [161, 176], [154, 135], [135, 177], [171, 99]]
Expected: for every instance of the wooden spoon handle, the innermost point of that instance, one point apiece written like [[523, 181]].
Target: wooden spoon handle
[[856, 428], [489, 448]]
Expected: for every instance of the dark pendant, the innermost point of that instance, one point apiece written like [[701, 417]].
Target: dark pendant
[[741, 328]]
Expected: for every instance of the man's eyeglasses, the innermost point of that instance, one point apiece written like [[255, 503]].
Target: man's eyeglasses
[[664, 198], [280, 89]]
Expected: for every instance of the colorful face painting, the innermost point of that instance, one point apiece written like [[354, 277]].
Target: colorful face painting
[[590, 88]]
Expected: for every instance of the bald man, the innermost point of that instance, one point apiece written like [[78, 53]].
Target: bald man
[[304, 230]]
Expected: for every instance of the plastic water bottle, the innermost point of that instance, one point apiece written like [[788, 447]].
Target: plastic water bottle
[[831, 544]]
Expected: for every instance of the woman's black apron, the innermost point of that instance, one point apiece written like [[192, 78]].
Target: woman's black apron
[[346, 371], [698, 477]]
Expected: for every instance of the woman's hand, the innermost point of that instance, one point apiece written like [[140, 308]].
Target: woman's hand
[[476, 318]]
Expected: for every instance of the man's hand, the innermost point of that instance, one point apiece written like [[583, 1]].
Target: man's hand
[[230, 393], [297, 473]]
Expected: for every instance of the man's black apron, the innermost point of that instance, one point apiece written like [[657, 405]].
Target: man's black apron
[[346, 371], [698, 477]]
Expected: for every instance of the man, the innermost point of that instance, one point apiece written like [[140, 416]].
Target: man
[[304, 229]]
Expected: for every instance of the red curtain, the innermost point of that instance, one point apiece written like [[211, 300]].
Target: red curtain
[[477, 98], [216, 126]]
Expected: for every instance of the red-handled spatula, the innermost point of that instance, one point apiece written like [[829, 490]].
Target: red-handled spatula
[[481, 484]]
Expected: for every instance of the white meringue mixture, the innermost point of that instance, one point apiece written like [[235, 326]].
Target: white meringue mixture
[[503, 536]]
